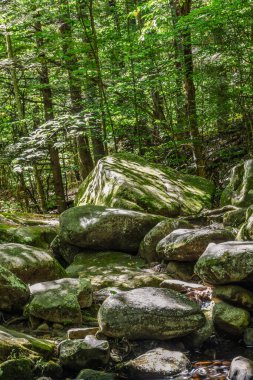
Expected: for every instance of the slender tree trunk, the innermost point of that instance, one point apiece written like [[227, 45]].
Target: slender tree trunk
[[183, 8], [84, 154], [19, 108], [49, 115]]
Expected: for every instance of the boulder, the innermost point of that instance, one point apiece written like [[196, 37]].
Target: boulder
[[189, 244], [246, 229], [60, 301], [129, 182], [149, 313], [101, 228], [226, 262], [233, 320], [234, 218], [148, 245], [157, 363], [30, 264], [14, 293], [17, 369], [114, 269], [235, 294], [239, 191], [84, 353], [241, 369]]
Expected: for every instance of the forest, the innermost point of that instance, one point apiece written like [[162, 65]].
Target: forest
[[126, 189]]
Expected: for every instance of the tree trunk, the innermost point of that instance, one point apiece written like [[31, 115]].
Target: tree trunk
[[49, 115], [183, 9], [71, 64]]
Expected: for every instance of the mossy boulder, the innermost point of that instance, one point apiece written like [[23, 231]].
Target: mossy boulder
[[17, 369], [101, 228], [189, 244], [236, 295], [149, 313], [226, 262], [239, 191], [60, 301], [130, 183], [157, 363], [14, 293], [234, 218], [80, 353], [246, 229], [148, 245], [233, 320], [114, 269], [30, 264]]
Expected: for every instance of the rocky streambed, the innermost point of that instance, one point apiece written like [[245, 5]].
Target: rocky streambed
[[116, 293]]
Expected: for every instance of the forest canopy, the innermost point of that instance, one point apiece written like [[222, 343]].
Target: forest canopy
[[168, 80]]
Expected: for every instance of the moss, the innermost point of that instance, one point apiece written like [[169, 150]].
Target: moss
[[16, 369], [135, 185]]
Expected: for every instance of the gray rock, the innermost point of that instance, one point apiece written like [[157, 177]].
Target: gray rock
[[241, 369], [234, 218], [30, 264], [233, 320], [81, 353], [157, 363], [148, 245], [14, 293], [189, 244], [128, 182], [149, 313], [182, 286], [81, 288], [226, 262], [101, 228], [60, 301]]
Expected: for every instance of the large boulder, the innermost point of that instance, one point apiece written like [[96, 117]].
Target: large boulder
[[239, 191], [30, 264], [60, 301], [101, 228], [226, 262], [189, 244], [148, 245], [14, 293], [131, 183], [156, 364], [114, 269], [149, 313]]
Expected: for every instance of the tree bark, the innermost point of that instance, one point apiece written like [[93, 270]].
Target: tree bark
[[49, 115]]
